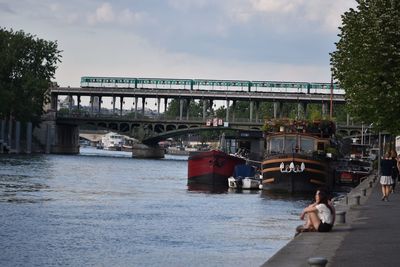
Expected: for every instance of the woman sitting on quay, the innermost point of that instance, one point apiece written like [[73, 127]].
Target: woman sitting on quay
[[319, 215]]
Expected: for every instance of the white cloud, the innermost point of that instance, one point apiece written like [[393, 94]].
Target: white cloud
[[54, 7], [224, 39], [72, 18], [188, 5], [103, 14], [276, 6], [106, 14], [324, 15], [128, 17]]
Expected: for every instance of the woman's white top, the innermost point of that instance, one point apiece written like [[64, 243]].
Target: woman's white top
[[324, 213]]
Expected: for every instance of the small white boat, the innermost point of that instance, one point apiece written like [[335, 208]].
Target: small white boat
[[112, 141], [244, 177], [244, 183]]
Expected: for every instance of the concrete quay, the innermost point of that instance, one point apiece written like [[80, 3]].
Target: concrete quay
[[369, 236]]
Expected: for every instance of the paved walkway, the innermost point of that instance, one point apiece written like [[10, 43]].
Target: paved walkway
[[374, 237], [370, 236]]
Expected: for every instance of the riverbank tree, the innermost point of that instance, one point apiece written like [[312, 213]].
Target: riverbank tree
[[366, 62], [27, 66]]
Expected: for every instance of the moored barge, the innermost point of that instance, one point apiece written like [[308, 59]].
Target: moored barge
[[211, 167], [298, 157]]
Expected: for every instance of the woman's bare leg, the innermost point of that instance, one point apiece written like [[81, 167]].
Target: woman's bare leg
[[387, 190], [307, 221], [383, 191], [314, 220]]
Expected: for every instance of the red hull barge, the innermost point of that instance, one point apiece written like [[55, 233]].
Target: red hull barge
[[211, 167]]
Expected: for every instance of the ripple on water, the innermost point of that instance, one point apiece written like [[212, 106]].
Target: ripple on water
[[101, 210]]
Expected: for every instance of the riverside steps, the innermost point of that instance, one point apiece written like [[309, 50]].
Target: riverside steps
[[368, 236]]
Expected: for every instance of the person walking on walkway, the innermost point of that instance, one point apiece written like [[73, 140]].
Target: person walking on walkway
[[386, 179]]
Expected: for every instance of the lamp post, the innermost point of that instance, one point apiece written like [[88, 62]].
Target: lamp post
[[331, 106], [379, 152]]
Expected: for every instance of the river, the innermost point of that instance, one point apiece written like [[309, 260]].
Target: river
[[102, 208]]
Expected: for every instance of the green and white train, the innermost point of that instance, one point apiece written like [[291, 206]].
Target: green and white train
[[212, 85]]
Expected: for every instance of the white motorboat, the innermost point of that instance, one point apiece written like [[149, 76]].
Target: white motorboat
[[244, 183], [244, 177]]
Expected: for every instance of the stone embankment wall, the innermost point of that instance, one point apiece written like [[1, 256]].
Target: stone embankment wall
[[48, 137]]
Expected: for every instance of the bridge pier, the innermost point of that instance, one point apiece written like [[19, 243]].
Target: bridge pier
[[324, 109], [251, 110], [57, 138], [233, 110], [227, 110], [301, 110], [143, 105], [145, 151], [204, 108], [180, 109], [136, 109], [277, 109]]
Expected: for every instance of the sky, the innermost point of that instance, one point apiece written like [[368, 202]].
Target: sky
[[270, 40]]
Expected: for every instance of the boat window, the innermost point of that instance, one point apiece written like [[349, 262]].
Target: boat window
[[276, 144], [320, 146], [290, 144], [306, 145]]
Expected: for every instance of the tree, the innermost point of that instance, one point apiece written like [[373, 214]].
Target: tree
[[367, 62], [173, 108], [27, 65], [195, 109]]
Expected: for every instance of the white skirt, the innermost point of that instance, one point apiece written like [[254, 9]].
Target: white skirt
[[386, 180]]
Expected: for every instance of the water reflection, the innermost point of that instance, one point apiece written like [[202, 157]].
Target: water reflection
[[21, 178], [244, 191], [267, 194], [123, 211], [20, 189], [205, 188]]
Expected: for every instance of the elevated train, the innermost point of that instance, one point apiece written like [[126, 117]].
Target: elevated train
[[212, 85]]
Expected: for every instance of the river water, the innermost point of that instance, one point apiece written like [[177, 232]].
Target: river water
[[103, 208]]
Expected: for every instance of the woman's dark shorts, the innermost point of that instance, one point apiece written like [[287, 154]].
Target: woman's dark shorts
[[324, 227]]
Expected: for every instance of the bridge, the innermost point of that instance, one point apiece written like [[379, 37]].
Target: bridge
[[151, 129], [207, 91]]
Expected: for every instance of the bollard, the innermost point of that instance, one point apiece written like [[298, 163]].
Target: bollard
[[317, 261], [357, 200], [347, 200], [340, 217], [370, 184], [364, 192]]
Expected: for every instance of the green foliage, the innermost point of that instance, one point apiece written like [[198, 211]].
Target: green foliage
[[173, 108], [27, 65], [241, 109], [221, 112], [195, 108], [367, 62], [340, 113], [314, 112]]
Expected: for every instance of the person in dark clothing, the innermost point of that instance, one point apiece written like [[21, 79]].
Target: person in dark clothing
[[395, 172], [386, 176]]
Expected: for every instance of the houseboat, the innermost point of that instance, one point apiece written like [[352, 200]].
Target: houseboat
[[352, 171], [212, 167], [298, 156], [112, 141]]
